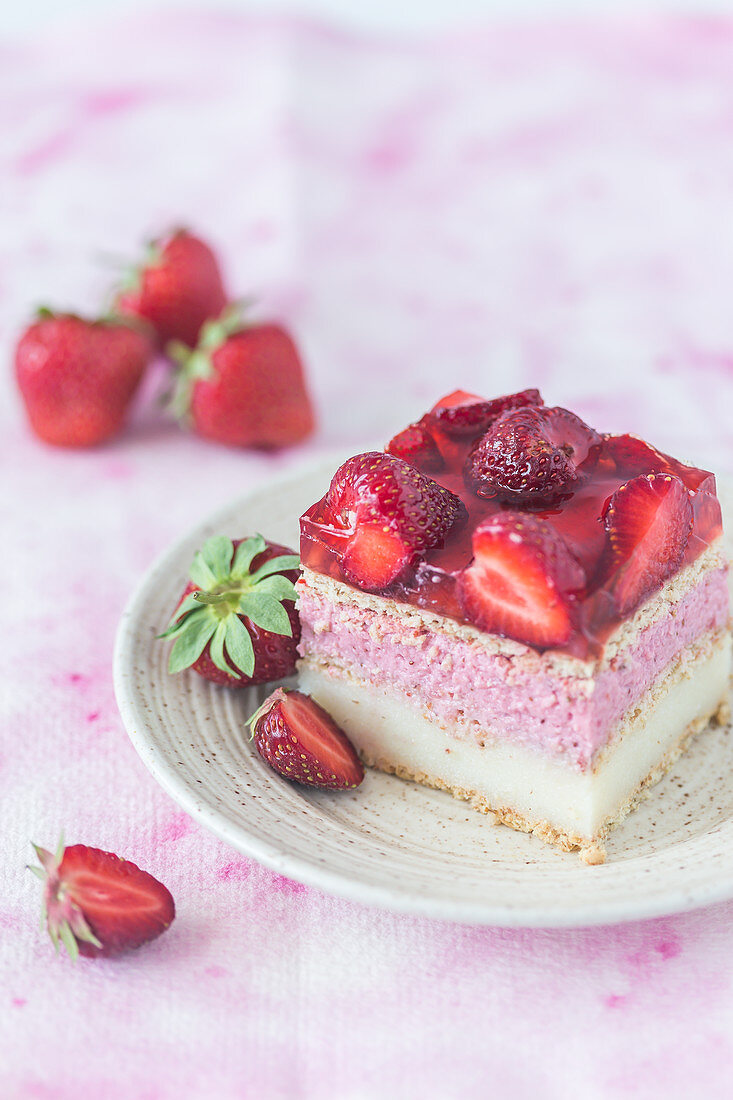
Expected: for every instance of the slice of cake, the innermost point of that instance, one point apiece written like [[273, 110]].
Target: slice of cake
[[516, 609]]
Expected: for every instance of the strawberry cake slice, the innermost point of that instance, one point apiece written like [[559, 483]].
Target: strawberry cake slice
[[512, 607]]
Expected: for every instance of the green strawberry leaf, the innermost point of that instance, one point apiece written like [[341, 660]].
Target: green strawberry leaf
[[216, 650], [68, 940], [279, 587], [217, 554], [190, 644], [177, 351], [280, 564], [198, 365], [176, 625], [266, 612], [245, 554], [201, 574], [217, 330], [239, 645], [175, 629], [192, 364], [212, 334], [226, 590]]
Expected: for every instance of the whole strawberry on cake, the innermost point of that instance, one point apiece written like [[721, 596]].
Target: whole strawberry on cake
[[510, 606]]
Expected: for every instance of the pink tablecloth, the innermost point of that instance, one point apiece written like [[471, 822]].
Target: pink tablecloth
[[545, 205]]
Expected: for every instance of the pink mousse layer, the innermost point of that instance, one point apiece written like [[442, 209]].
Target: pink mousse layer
[[520, 698]]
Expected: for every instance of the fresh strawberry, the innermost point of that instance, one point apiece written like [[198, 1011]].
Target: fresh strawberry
[[385, 514], [523, 582], [301, 741], [78, 377], [177, 287], [530, 454], [464, 414], [416, 445], [236, 622], [98, 904], [648, 522], [243, 385]]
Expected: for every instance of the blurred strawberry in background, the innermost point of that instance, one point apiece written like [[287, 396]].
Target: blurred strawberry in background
[[243, 385], [176, 288], [77, 377]]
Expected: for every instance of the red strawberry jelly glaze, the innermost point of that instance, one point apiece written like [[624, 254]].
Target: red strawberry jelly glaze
[[577, 517]]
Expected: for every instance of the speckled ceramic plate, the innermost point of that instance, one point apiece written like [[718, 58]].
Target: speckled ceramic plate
[[392, 843]]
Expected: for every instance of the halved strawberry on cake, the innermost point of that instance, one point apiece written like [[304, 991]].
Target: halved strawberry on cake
[[514, 608]]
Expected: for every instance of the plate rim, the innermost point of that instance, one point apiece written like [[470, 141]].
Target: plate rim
[[313, 874]]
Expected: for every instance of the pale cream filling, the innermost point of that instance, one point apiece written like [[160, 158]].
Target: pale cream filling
[[516, 782]]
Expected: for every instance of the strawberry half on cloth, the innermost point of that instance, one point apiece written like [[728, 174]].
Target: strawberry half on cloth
[[97, 904], [236, 622]]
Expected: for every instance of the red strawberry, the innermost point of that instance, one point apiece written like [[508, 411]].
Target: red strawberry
[[461, 413], [633, 455], [648, 521], [301, 741], [243, 385], [384, 514], [417, 446], [78, 377], [523, 581], [236, 622], [98, 904], [530, 454], [176, 289]]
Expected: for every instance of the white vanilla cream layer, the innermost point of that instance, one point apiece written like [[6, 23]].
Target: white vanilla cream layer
[[525, 788]]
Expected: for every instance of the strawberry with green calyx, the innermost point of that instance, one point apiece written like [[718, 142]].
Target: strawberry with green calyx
[[236, 622], [97, 904], [77, 376], [243, 385], [175, 289]]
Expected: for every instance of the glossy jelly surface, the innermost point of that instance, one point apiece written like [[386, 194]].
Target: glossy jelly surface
[[577, 516]]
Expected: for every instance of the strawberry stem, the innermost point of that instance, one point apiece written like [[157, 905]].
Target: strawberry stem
[[227, 594], [212, 597]]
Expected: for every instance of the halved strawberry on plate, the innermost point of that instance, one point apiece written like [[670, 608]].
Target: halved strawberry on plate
[[301, 741]]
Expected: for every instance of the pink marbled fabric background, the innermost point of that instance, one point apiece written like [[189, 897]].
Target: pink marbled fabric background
[[545, 204]]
